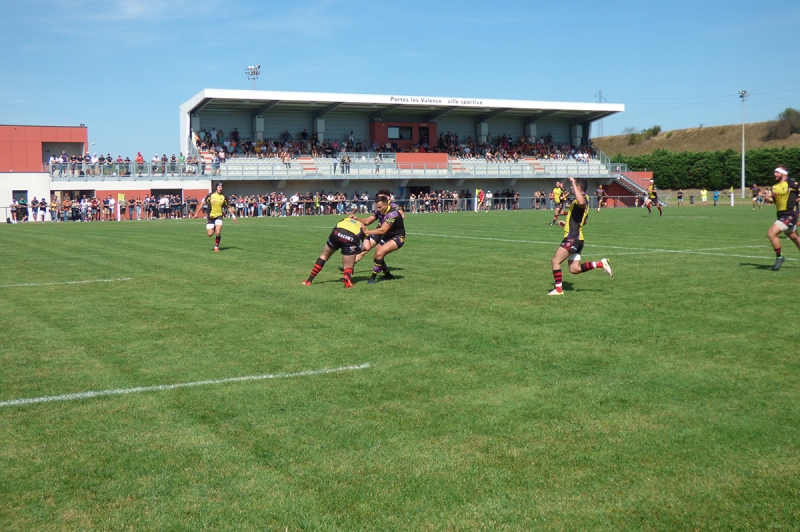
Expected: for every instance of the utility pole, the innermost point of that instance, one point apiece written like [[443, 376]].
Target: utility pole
[[743, 95], [600, 99]]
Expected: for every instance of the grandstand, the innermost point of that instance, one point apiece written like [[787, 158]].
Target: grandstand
[[299, 142]]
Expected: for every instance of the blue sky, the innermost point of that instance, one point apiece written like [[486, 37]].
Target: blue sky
[[124, 67]]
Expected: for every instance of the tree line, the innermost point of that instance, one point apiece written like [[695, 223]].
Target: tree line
[[713, 170]]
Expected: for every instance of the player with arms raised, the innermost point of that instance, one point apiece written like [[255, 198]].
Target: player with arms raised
[[217, 204], [571, 246]]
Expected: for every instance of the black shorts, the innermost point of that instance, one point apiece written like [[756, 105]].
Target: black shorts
[[562, 205], [398, 239], [572, 244], [787, 221], [344, 240]]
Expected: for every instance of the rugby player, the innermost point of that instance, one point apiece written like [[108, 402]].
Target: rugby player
[[652, 198], [390, 235], [558, 201], [785, 193], [571, 246], [347, 236], [217, 202], [601, 197], [756, 196]]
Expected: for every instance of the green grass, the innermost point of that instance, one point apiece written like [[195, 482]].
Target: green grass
[[666, 397]]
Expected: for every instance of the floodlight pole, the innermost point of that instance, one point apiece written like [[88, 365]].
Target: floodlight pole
[[252, 72], [743, 95]]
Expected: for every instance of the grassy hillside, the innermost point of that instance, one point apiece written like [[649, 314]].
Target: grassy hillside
[[697, 139]]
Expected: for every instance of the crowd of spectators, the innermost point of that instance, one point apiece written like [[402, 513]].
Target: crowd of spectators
[[277, 204], [100, 165], [500, 148], [94, 209]]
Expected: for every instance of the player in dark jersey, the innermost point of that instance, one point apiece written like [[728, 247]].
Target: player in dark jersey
[[756, 191], [652, 199], [217, 204], [571, 246], [601, 197], [785, 192], [389, 236], [347, 236]]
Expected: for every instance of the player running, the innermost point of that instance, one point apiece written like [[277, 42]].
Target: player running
[[347, 236], [785, 192], [571, 246], [558, 201], [652, 198], [216, 202], [602, 197], [756, 191]]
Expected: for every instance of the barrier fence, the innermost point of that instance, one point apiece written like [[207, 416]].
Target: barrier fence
[[310, 208]]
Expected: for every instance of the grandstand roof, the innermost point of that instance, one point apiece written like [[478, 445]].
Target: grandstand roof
[[392, 107]]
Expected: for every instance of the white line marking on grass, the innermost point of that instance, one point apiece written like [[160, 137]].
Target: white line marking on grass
[[693, 252], [162, 387], [67, 282], [635, 251]]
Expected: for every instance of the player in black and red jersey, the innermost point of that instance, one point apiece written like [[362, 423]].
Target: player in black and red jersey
[[571, 246], [347, 236]]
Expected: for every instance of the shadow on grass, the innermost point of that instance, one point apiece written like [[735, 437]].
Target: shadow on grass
[[757, 266]]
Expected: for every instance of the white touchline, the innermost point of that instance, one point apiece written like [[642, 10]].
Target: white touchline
[[66, 282], [162, 387], [692, 252], [636, 251]]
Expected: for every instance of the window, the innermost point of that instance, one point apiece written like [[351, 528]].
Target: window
[[399, 133]]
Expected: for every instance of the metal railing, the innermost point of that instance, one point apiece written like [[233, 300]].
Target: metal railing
[[147, 171], [324, 168]]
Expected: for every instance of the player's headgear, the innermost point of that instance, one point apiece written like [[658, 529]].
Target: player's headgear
[[219, 184], [782, 170]]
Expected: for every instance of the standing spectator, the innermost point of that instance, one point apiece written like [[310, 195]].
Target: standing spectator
[[66, 208], [139, 162]]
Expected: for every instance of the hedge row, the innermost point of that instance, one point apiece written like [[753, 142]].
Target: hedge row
[[713, 170]]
